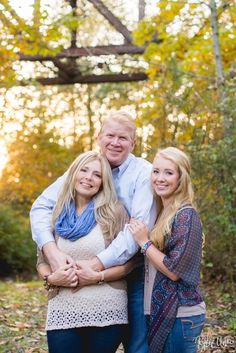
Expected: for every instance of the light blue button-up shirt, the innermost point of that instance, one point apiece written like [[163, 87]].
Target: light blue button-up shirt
[[132, 183]]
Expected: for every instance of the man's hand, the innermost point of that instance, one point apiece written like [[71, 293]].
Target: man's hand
[[55, 257], [94, 264], [65, 276], [88, 276], [88, 272]]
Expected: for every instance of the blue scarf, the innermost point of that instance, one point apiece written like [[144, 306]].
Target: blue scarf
[[71, 226]]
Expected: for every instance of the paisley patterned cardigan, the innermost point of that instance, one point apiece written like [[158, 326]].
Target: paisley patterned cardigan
[[183, 249]]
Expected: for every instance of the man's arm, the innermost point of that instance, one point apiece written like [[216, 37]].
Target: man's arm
[[123, 247], [88, 276], [41, 225]]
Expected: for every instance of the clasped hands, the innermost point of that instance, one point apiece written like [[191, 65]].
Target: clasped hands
[[75, 275], [68, 273]]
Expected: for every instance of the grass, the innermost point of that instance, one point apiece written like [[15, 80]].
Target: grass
[[219, 331], [23, 312]]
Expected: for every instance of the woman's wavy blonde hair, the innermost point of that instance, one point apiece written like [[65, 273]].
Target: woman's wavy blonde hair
[[183, 195], [108, 212]]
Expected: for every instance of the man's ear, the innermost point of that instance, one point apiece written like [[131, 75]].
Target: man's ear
[[133, 144]]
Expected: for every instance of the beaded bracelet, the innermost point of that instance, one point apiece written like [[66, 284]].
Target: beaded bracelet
[[48, 286], [145, 247]]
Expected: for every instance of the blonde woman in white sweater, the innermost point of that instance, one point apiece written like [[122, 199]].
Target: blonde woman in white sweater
[[84, 317]]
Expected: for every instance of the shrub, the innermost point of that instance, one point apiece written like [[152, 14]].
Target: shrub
[[16, 246]]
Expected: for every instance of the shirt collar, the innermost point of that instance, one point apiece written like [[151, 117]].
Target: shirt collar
[[118, 171]]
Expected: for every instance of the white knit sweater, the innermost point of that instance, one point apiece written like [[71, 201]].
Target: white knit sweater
[[94, 305]]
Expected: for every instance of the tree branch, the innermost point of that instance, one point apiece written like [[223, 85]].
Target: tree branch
[[89, 51], [113, 20], [94, 79], [12, 12]]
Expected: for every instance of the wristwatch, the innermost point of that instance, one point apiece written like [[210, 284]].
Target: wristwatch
[[102, 279]]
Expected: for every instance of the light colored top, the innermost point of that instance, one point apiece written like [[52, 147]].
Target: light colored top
[[183, 311], [133, 187], [94, 305], [132, 183]]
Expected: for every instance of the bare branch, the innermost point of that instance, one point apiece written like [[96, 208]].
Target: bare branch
[[89, 51], [113, 20], [94, 79]]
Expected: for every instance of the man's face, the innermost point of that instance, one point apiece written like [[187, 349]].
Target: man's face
[[116, 142]]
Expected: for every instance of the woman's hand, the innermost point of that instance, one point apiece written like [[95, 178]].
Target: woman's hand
[[88, 276], [65, 277], [139, 230]]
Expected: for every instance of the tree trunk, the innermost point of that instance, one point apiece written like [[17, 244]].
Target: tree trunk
[[90, 120], [141, 9], [219, 64]]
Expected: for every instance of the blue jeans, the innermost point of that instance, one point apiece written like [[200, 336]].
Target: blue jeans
[[86, 339], [136, 338], [184, 335]]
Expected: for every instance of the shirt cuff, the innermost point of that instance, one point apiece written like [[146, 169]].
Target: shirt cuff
[[106, 260], [44, 239]]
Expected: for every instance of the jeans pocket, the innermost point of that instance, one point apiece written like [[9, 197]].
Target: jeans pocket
[[192, 327]]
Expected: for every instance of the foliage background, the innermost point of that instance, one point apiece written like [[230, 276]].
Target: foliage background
[[184, 103]]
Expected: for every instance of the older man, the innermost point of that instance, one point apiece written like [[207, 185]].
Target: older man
[[131, 177]]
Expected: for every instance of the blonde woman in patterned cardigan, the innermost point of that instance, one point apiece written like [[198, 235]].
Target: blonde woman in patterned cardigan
[[173, 302]]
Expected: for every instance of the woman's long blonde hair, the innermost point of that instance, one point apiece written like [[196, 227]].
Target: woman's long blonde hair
[[107, 209], [183, 195]]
